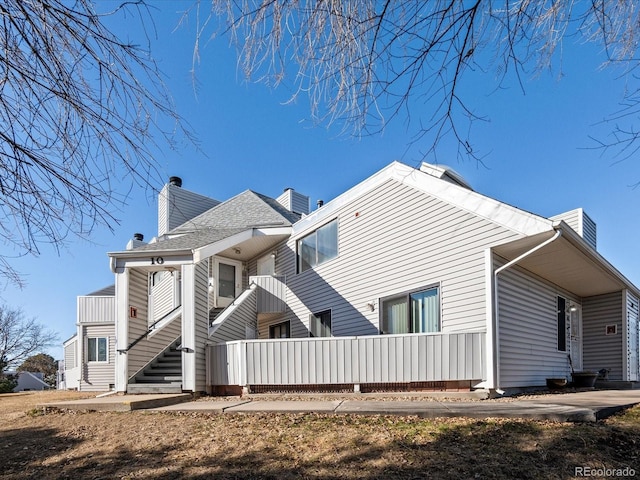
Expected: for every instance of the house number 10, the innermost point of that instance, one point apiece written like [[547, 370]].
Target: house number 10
[[157, 261]]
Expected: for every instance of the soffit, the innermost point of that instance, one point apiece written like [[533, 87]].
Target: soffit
[[573, 268]]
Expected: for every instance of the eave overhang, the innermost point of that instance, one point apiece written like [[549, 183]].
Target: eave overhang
[[241, 246], [568, 262]]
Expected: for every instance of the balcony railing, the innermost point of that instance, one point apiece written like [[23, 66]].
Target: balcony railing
[[95, 309], [348, 360]]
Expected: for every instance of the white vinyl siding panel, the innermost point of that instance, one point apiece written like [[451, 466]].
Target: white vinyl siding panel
[[98, 376], [294, 201], [632, 354], [177, 205], [95, 309], [580, 223], [234, 327], [395, 239], [70, 359], [601, 350], [143, 352], [163, 295], [528, 331], [589, 232]]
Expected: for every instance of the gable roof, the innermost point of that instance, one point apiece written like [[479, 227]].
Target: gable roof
[[247, 210], [512, 218]]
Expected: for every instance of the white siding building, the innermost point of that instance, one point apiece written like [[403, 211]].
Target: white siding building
[[409, 279]]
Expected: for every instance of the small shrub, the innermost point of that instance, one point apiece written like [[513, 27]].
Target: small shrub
[[8, 383]]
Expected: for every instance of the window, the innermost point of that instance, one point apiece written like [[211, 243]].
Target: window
[[97, 349], [413, 312], [318, 247], [281, 330], [320, 324], [562, 324]]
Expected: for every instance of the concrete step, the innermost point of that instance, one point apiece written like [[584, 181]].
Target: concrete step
[[149, 388], [146, 378], [164, 363], [162, 371]]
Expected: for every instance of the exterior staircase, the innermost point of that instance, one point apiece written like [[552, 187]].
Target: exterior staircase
[[162, 375], [213, 313]]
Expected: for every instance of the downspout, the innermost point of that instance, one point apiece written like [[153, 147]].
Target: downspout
[[496, 308]]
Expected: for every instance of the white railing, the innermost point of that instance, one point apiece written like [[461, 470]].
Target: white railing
[[348, 360], [272, 291]]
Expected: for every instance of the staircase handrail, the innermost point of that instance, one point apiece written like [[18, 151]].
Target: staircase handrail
[[233, 302], [151, 328]]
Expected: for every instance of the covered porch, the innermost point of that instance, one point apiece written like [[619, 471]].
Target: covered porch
[[559, 307], [165, 297]]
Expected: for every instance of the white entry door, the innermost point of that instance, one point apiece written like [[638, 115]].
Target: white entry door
[[228, 281], [575, 320]]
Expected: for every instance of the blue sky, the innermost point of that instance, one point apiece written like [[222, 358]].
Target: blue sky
[[534, 146]]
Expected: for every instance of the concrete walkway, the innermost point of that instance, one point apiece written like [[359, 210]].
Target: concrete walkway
[[586, 406]]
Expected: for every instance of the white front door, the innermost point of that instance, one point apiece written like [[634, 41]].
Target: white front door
[[228, 281], [575, 321]]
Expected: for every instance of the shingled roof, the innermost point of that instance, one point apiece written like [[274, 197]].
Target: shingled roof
[[246, 210]]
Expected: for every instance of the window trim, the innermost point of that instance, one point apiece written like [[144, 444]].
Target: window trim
[[407, 295], [313, 315], [299, 269], [280, 324], [97, 338]]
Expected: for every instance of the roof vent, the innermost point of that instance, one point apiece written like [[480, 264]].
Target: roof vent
[[177, 181], [445, 173], [138, 236], [320, 203]]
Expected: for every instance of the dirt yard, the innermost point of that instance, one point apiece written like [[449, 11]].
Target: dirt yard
[[146, 445]]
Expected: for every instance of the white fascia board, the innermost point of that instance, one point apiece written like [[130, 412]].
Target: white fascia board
[[207, 251], [150, 259], [509, 217], [271, 231], [70, 339]]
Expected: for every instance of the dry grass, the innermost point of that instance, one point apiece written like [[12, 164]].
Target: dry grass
[[145, 445]]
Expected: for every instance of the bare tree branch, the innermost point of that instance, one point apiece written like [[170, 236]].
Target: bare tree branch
[[20, 337], [363, 63], [80, 111]]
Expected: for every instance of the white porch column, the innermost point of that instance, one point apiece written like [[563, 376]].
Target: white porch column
[[122, 328], [188, 328], [491, 315]]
